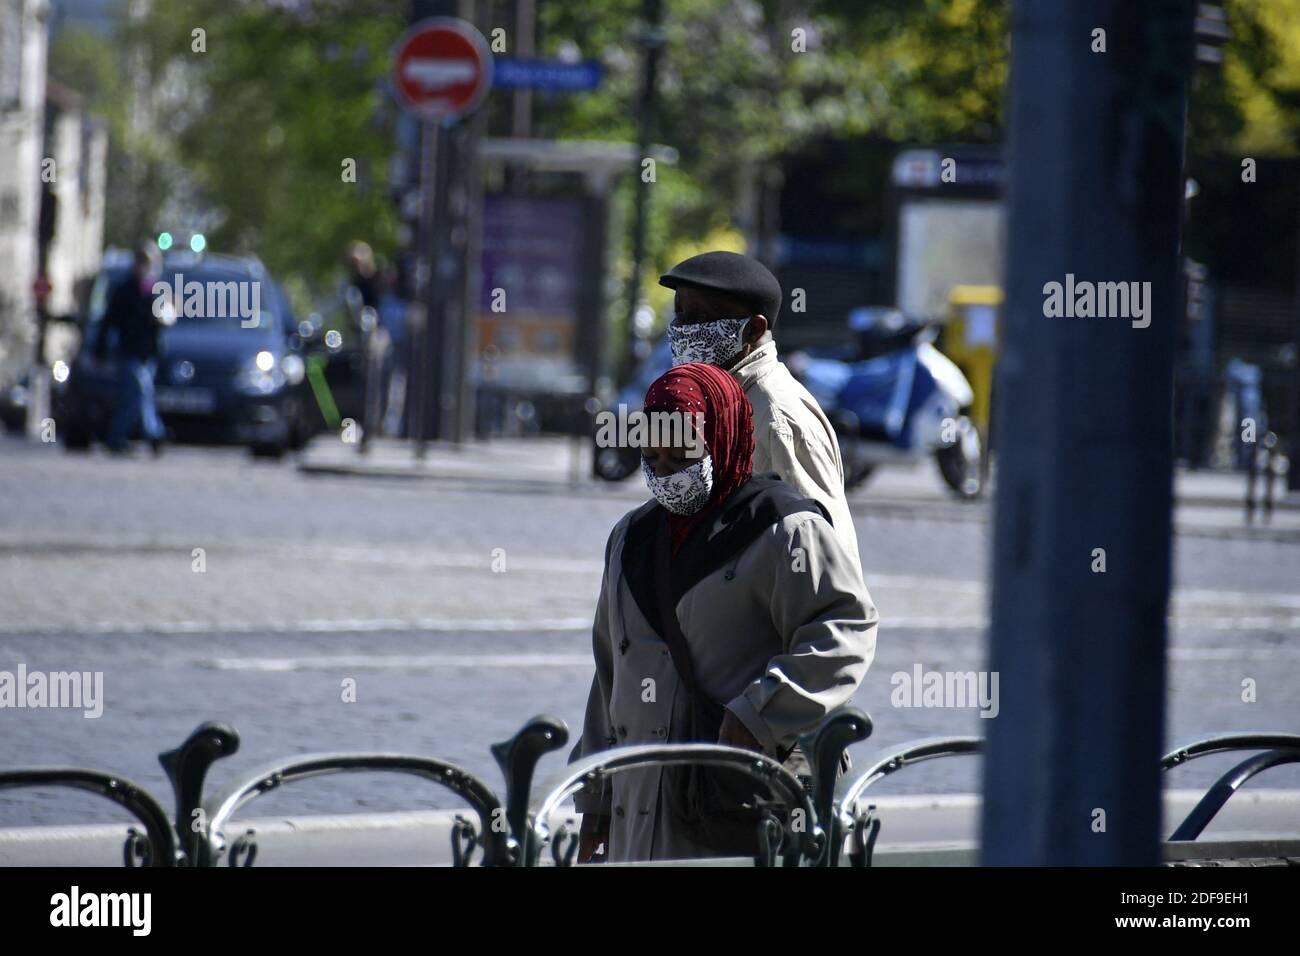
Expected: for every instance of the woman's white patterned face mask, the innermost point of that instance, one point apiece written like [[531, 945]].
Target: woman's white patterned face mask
[[684, 492], [713, 343]]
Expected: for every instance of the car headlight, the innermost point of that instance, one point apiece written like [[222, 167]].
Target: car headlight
[[260, 376]]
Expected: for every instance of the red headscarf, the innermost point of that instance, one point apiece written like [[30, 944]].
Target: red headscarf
[[728, 431]]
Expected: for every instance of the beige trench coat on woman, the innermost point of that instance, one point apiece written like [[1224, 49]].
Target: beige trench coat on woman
[[781, 633]]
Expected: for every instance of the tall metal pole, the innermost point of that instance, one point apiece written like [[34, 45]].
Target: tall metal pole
[[453, 309], [1293, 436], [428, 344], [467, 401], [425, 345], [521, 106], [1081, 550], [450, 207], [651, 43]]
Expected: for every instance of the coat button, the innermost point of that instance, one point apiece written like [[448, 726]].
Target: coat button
[[623, 645], [618, 811], [661, 731], [731, 573], [622, 731]]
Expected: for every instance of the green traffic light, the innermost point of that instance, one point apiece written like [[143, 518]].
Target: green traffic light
[[197, 242], [165, 241]]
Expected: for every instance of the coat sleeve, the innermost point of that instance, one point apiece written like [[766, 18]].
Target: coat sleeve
[[596, 731], [827, 623]]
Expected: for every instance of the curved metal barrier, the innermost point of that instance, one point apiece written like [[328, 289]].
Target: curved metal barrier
[[157, 848], [1219, 794], [864, 826], [1224, 743], [1278, 749], [498, 824], [492, 833], [805, 843], [516, 832]]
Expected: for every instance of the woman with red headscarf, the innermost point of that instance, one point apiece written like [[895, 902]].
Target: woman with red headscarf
[[729, 613]]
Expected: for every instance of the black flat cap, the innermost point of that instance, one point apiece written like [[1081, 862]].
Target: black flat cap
[[740, 276]]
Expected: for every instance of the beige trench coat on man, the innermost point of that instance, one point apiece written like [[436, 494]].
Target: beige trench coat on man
[[793, 438], [779, 636]]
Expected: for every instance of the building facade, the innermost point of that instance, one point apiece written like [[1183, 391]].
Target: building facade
[[23, 49]]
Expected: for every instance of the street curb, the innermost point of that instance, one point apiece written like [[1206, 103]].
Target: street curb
[[422, 837]]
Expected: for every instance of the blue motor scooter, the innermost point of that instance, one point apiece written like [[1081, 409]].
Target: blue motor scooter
[[897, 400]]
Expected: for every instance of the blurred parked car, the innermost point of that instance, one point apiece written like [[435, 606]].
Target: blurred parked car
[[217, 380]]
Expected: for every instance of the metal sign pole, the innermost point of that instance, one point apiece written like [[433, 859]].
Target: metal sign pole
[[458, 212], [425, 349], [430, 79], [467, 402], [651, 42]]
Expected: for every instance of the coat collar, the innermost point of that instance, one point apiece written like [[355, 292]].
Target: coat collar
[[755, 366]]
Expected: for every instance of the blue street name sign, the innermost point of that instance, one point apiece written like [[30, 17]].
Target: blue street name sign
[[545, 74]]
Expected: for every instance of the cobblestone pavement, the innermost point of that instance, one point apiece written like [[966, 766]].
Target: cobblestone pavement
[[312, 578]]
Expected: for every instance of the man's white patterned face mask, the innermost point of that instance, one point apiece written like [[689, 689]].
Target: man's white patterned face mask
[[684, 492], [713, 343]]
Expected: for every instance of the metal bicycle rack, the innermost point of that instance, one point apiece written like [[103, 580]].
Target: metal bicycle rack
[[219, 810], [596, 768], [794, 846], [197, 837], [1277, 749], [157, 847], [496, 822], [863, 826], [516, 832]]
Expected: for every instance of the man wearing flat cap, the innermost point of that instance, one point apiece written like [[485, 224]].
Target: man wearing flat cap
[[725, 308]]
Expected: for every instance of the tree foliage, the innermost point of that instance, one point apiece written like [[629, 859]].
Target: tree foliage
[[268, 113], [254, 129]]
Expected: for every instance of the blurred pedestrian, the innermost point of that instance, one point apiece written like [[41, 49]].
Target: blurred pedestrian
[[132, 317], [725, 311], [360, 293], [362, 275], [732, 599], [392, 319]]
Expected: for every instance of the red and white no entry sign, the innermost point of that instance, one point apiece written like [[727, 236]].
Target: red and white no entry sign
[[442, 68]]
